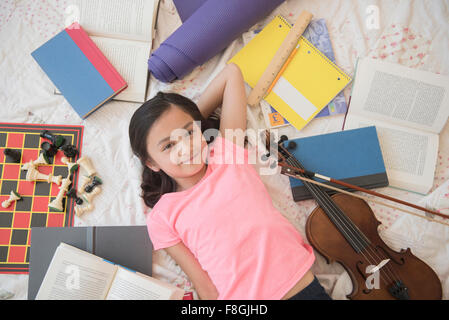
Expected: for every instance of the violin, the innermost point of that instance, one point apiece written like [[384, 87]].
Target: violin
[[344, 229]]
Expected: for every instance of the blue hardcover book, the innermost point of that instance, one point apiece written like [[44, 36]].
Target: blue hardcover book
[[353, 156], [79, 70]]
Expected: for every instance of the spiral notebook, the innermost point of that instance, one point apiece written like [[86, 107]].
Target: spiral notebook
[[307, 85], [318, 35]]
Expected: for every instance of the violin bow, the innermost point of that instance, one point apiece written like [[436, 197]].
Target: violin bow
[[307, 176]]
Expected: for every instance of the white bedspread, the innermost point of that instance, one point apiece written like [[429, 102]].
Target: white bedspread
[[413, 33]]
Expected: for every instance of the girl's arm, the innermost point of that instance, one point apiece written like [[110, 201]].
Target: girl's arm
[[228, 90], [191, 267]]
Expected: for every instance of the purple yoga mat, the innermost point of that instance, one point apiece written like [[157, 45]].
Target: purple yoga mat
[[206, 32], [186, 8]]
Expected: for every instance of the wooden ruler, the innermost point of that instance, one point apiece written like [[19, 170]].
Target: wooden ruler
[[280, 58]]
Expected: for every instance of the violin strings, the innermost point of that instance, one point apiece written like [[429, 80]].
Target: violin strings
[[393, 273], [338, 221], [336, 211], [357, 234], [353, 238], [314, 189]]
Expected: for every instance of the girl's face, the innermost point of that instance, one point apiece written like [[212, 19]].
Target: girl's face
[[176, 145]]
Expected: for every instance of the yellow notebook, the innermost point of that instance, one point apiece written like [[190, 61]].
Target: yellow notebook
[[307, 85]]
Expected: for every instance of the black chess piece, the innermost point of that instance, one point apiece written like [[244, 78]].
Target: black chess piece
[[96, 181], [12, 155], [49, 149], [72, 194], [55, 139], [69, 150]]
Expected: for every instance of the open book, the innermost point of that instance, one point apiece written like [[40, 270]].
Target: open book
[[409, 108], [75, 274], [123, 31]]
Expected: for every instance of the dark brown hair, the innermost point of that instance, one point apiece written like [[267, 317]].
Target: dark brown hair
[[155, 184]]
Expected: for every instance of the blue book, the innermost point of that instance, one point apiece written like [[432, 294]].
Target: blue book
[[353, 156], [79, 70]]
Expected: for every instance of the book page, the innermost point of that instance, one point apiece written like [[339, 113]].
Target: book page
[[400, 95], [74, 274], [130, 59], [409, 155], [129, 285], [125, 19]]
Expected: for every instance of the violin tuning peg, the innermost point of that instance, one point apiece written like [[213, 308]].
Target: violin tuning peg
[[283, 138], [291, 145]]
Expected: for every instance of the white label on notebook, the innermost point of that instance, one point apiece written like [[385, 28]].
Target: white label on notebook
[[303, 107]]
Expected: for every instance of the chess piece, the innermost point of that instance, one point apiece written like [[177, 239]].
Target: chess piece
[[33, 174], [79, 211], [43, 159], [57, 204], [49, 149], [14, 196], [69, 150], [84, 181], [28, 165], [72, 194], [86, 164], [12, 155], [88, 197], [72, 166], [95, 182], [55, 139]]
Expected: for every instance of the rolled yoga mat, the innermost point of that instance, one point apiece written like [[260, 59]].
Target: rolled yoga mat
[[187, 8], [208, 30]]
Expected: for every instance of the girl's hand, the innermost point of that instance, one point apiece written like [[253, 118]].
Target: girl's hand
[[227, 90], [192, 268]]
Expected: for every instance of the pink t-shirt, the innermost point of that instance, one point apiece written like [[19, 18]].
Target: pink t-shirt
[[229, 223]]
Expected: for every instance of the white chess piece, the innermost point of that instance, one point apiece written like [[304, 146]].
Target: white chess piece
[[56, 204], [79, 211], [14, 196], [88, 197], [33, 174], [71, 166], [39, 161], [87, 165], [84, 181], [27, 165]]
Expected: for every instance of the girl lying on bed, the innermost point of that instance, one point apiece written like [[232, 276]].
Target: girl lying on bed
[[213, 216]]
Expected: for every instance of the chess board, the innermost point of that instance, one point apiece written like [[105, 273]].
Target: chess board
[[32, 210]]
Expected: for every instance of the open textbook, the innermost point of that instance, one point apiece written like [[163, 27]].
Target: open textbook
[[75, 274], [124, 31], [409, 108]]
